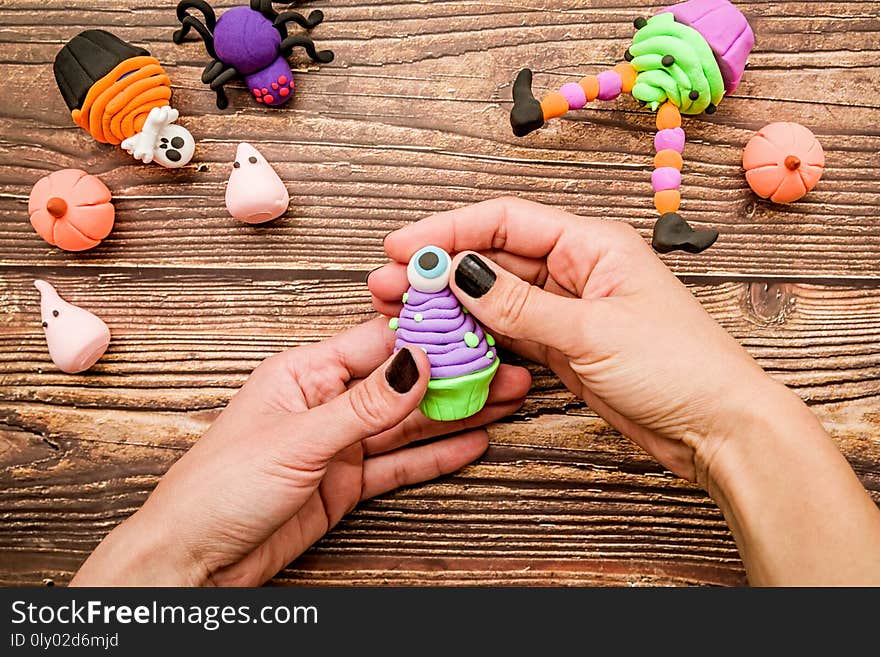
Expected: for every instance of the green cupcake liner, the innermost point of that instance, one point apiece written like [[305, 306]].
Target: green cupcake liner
[[459, 396]]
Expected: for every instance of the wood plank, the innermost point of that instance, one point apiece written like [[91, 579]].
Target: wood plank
[[559, 498], [203, 332], [590, 508], [405, 127]]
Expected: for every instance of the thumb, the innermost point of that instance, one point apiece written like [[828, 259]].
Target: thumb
[[509, 305], [379, 402]]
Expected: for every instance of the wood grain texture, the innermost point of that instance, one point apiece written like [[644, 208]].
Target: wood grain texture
[[411, 119]]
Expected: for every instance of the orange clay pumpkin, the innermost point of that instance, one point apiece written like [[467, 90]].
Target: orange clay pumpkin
[[71, 209], [783, 162]]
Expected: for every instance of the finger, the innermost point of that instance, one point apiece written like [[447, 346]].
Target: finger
[[507, 304], [389, 282], [379, 402], [387, 308], [418, 428], [387, 286], [506, 395], [507, 224], [531, 270], [416, 464], [528, 349], [359, 350]]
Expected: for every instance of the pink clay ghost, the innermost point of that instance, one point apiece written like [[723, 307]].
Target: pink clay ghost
[[76, 337], [255, 194]]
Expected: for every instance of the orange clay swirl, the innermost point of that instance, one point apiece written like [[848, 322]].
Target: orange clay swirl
[[117, 105]]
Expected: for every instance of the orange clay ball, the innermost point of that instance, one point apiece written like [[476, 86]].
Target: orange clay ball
[[590, 85], [783, 162], [668, 158], [71, 209], [667, 201], [668, 116], [554, 104], [627, 76]]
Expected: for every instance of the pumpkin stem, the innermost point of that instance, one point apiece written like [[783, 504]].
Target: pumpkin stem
[[57, 207], [792, 162]]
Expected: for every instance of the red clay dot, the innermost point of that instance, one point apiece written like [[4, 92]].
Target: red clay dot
[[265, 90], [291, 84], [274, 85], [259, 99], [269, 98], [284, 91], [282, 79], [256, 91]]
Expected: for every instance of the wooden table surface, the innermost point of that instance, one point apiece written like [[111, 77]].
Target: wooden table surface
[[410, 119]]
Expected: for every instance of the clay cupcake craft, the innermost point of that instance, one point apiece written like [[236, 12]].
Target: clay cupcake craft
[[462, 356], [76, 337], [254, 194], [250, 42], [120, 95], [683, 60]]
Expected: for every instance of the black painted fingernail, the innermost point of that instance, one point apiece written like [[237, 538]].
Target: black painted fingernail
[[403, 372], [474, 277]]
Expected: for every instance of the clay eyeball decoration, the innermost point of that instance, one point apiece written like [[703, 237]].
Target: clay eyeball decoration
[[255, 194], [428, 269], [71, 209], [76, 337], [783, 162]]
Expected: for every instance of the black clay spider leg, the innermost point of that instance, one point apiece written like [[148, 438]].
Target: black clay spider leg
[[315, 18], [265, 8], [291, 42], [188, 21], [218, 74]]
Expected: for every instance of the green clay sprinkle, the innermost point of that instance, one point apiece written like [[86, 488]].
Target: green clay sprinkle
[[392, 323], [471, 339], [418, 317], [490, 340], [490, 355], [464, 310], [405, 297]]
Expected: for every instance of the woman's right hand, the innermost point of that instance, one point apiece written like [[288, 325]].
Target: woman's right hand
[[589, 299]]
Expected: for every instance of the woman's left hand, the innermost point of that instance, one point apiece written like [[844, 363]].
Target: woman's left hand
[[314, 431]]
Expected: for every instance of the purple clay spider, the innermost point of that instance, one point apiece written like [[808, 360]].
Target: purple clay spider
[[251, 42]]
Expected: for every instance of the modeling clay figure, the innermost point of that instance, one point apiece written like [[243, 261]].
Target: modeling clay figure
[[683, 60]]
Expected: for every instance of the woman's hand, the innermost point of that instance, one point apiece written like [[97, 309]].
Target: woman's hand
[[590, 300], [314, 431]]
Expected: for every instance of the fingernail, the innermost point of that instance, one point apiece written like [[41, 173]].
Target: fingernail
[[373, 271], [402, 372], [474, 277]]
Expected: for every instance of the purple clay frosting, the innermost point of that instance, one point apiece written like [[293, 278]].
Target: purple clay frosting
[[436, 323], [725, 29]]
